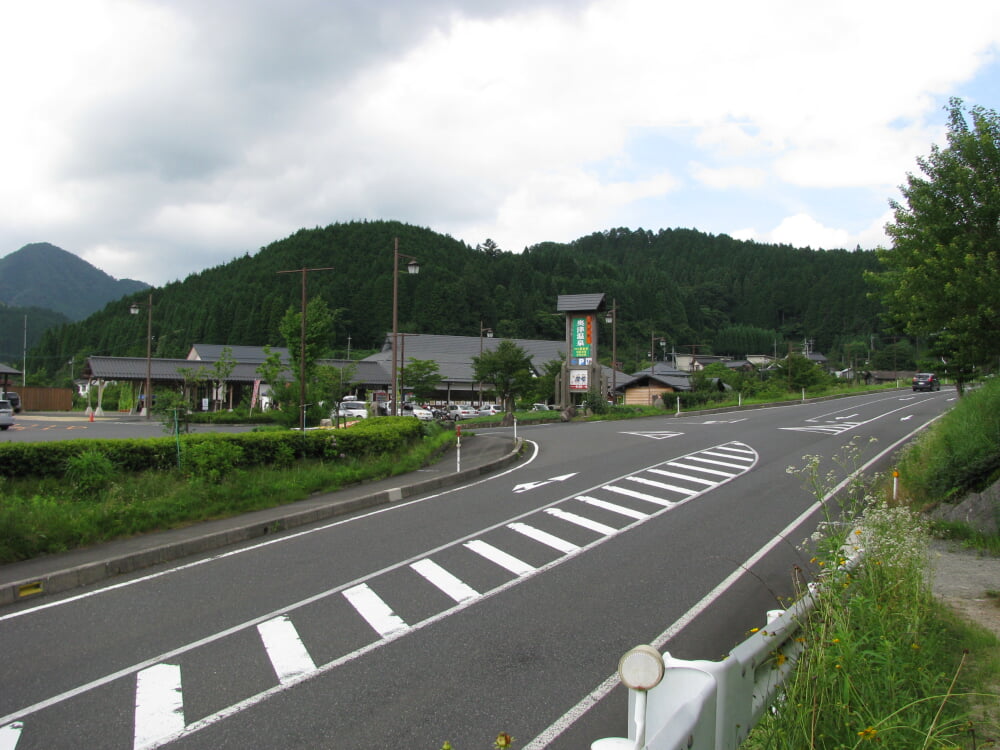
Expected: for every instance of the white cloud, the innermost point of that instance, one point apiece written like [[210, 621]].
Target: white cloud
[[172, 136]]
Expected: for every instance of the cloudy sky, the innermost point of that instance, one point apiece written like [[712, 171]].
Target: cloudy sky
[[156, 138]]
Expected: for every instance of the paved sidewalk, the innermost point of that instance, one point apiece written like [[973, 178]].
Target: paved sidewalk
[[51, 574]]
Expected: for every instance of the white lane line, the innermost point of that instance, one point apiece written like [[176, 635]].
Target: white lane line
[[498, 556], [586, 523], [638, 495], [702, 469], [614, 508], [664, 486], [10, 734], [376, 612], [685, 477], [445, 581], [159, 705], [285, 649], [544, 537]]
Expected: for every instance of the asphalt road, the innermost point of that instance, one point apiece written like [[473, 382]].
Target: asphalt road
[[503, 605], [34, 427]]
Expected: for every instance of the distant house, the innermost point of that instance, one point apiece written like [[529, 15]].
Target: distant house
[[644, 387]]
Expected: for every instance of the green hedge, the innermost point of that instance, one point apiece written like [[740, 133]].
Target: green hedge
[[367, 437]]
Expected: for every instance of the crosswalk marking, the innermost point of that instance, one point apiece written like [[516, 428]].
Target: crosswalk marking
[[544, 537], [685, 477], [613, 507], [445, 581], [285, 649], [159, 705], [10, 734], [679, 465], [664, 486], [716, 463], [586, 523], [498, 556], [638, 495], [376, 612]]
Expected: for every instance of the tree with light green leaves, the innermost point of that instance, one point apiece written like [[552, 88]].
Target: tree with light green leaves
[[941, 277], [422, 377], [508, 369]]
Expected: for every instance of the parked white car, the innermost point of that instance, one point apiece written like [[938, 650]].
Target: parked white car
[[416, 410], [6, 415], [489, 410], [352, 410]]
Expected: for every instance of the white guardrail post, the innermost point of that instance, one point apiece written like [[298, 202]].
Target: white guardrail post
[[713, 705]]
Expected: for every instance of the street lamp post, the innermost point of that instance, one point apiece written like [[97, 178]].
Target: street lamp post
[[134, 310], [413, 268], [489, 335], [612, 317]]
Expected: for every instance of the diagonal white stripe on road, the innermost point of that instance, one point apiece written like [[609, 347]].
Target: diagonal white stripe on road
[[159, 705], [664, 486], [685, 477], [636, 514], [10, 734], [638, 495], [586, 523], [727, 455], [445, 581], [285, 649], [698, 457], [376, 612], [544, 537], [702, 469], [501, 558]]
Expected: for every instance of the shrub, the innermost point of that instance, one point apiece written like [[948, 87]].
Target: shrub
[[90, 471], [211, 460]]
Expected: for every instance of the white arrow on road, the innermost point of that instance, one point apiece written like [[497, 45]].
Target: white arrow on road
[[535, 485]]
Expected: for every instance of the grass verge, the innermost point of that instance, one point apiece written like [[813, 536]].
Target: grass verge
[[47, 516]]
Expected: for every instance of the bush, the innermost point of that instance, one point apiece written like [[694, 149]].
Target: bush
[[211, 460], [90, 471]]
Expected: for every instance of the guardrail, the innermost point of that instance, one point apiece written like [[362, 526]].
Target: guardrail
[[677, 704]]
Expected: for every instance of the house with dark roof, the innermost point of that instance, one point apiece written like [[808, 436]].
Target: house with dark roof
[[645, 386]]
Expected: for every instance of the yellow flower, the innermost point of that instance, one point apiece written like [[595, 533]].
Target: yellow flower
[[915, 646], [779, 659], [836, 640], [446, 745], [754, 630], [503, 740], [868, 733]]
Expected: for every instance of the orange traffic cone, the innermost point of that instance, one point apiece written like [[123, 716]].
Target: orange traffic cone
[[91, 416]]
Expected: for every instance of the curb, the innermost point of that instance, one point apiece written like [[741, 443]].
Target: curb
[[99, 570]]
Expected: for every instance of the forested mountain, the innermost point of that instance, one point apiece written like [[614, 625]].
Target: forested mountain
[[43, 275], [22, 328], [681, 284]]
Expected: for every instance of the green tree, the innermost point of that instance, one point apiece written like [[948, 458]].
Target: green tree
[[942, 275], [798, 372], [508, 369], [220, 372], [422, 376]]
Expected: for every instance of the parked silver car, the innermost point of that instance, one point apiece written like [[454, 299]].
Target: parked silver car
[[489, 410], [6, 415], [456, 411]]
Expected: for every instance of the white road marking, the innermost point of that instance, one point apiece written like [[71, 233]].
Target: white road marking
[[498, 556], [376, 612], [544, 537], [445, 581], [686, 477], [637, 514], [285, 649], [664, 486], [159, 705], [586, 523], [699, 457], [702, 469], [10, 734], [638, 495]]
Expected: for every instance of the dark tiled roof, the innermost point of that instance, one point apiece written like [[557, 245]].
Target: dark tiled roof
[[580, 302], [4, 370], [248, 354]]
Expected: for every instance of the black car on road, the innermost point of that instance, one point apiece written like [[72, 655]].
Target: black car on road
[[926, 381]]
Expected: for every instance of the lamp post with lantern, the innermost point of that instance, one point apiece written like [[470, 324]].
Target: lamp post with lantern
[[134, 310], [412, 268]]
